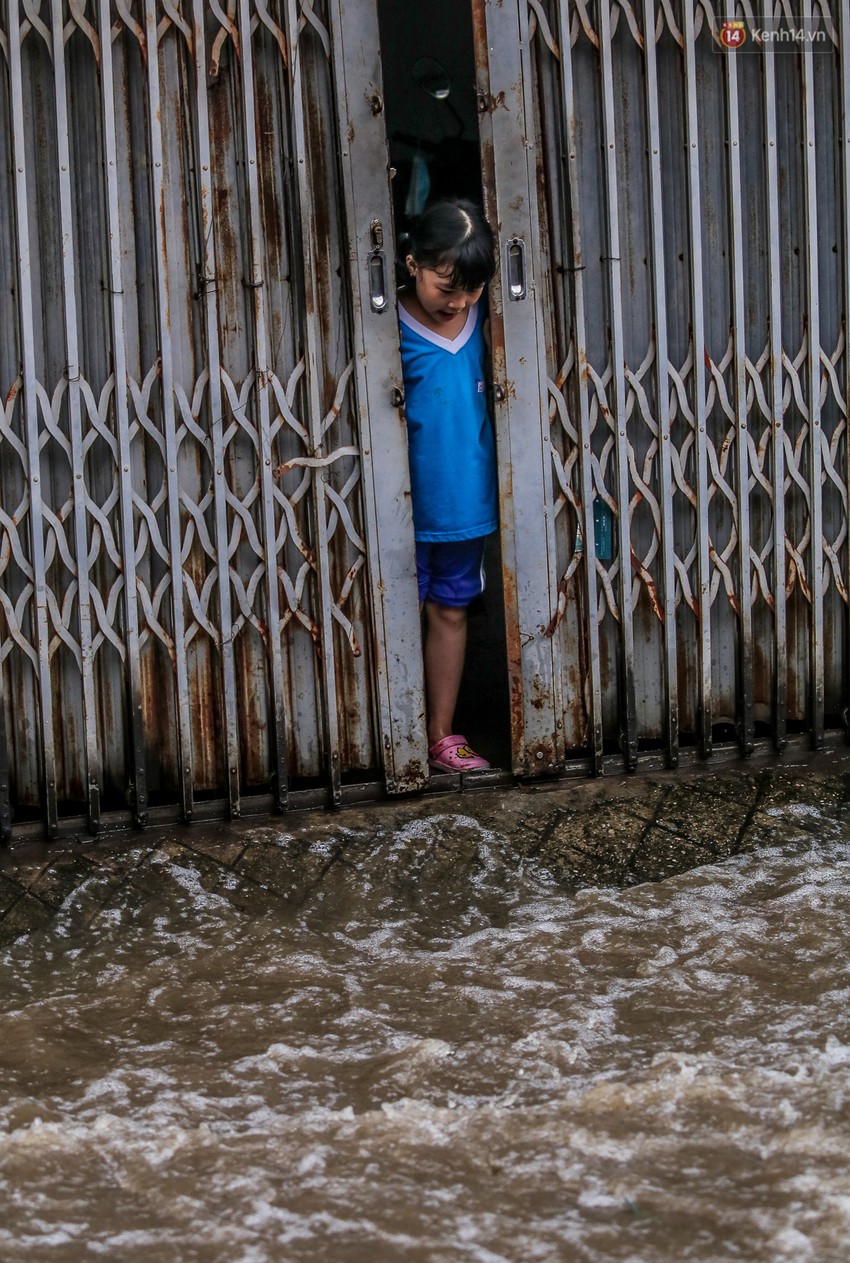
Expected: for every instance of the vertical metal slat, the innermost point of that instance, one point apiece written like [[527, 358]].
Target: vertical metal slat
[[216, 415], [36, 518], [816, 664], [585, 455], [132, 667], [262, 369], [5, 783], [522, 421], [844, 62], [699, 390], [739, 398], [615, 292], [160, 226], [5, 780], [73, 373], [774, 283], [380, 421], [314, 420], [659, 306]]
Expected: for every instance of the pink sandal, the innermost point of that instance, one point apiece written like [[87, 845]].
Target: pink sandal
[[452, 754]]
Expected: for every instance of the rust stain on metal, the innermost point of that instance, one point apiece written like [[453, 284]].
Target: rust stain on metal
[[560, 608], [271, 214], [488, 103], [540, 756], [514, 657], [412, 776], [263, 628], [649, 584], [539, 697]]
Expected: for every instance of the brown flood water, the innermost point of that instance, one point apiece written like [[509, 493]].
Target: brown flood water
[[502, 1073]]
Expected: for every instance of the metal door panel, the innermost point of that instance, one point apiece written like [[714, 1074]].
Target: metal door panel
[[387, 503], [519, 370]]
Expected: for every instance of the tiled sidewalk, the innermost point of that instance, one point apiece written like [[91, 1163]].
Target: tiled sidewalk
[[610, 831]]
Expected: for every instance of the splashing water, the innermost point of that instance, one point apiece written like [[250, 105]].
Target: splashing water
[[405, 1070]]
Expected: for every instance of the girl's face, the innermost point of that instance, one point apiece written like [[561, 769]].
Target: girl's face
[[436, 296]]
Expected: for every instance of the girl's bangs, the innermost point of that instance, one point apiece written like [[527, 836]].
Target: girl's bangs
[[473, 265]]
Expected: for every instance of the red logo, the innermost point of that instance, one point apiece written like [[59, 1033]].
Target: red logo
[[733, 34]]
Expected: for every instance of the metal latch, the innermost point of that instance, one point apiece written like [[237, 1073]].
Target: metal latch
[[517, 285], [377, 268]]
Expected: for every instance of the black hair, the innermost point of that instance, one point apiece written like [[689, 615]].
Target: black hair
[[453, 232]]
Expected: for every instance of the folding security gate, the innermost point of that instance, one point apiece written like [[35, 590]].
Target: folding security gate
[[205, 539], [696, 174], [186, 468]]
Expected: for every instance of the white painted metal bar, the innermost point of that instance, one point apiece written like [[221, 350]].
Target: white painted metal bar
[[571, 124], [844, 247], [5, 787], [262, 390], [739, 403], [73, 372], [41, 625], [662, 388], [5, 784], [379, 391], [172, 479], [694, 185], [209, 272], [774, 297], [628, 715], [327, 657], [699, 346], [816, 553], [132, 663]]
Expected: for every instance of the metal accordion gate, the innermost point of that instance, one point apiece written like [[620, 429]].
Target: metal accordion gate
[[695, 163], [186, 611], [206, 589]]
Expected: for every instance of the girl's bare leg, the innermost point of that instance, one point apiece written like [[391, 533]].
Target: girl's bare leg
[[445, 649]]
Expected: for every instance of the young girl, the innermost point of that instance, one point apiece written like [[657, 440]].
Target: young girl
[[451, 257]]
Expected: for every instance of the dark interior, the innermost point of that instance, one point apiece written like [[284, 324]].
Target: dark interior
[[428, 61]]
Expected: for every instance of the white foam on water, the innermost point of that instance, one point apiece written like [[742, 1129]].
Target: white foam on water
[[186, 878], [607, 1055]]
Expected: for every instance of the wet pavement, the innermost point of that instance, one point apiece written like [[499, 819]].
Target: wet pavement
[[613, 831]]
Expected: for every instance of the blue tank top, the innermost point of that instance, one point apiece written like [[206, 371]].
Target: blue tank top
[[449, 434]]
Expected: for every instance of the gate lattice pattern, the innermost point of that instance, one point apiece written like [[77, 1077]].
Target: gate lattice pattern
[[181, 542], [698, 242]]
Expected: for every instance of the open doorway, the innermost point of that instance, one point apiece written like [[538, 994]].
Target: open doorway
[[430, 108]]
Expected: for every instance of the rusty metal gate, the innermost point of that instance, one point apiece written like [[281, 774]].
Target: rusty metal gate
[[696, 164], [206, 588], [187, 499]]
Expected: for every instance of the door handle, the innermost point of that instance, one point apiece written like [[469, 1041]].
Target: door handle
[[378, 296], [377, 266], [517, 284]]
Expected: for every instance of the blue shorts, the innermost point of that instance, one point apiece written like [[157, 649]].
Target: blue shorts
[[450, 574]]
